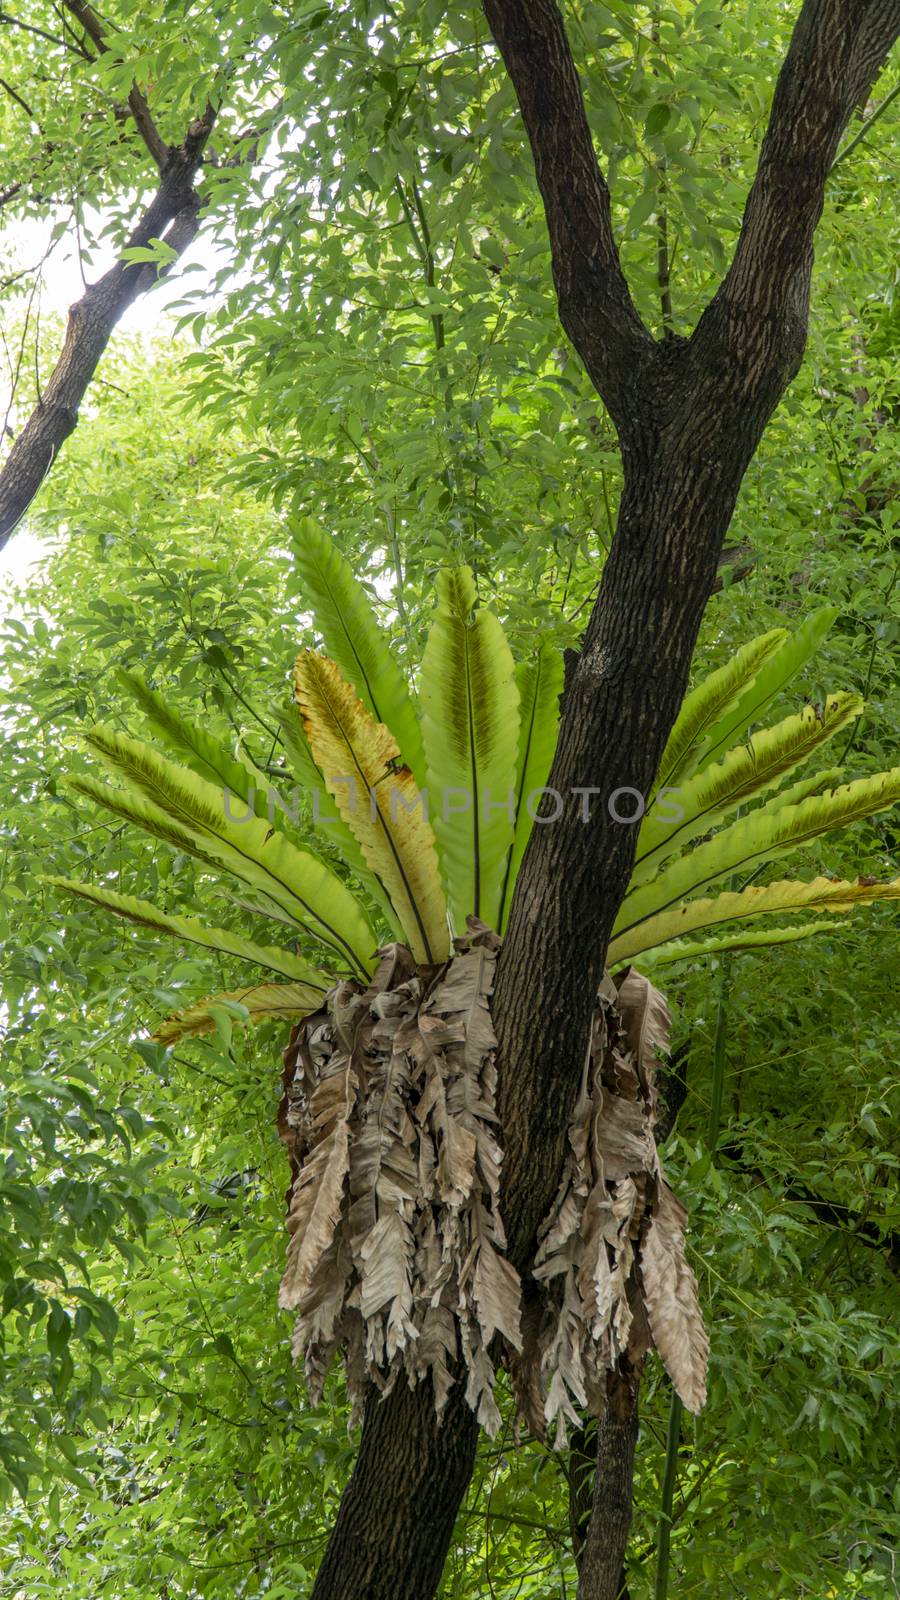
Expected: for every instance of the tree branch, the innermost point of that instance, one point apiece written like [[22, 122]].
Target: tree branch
[[690, 415], [137, 105], [837, 49], [595, 305], [23, 104], [601, 1563], [172, 215], [41, 33]]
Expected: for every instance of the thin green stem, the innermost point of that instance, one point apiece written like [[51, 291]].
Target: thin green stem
[[854, 731], [670, 1474], [673, 1434], [719, 1059], [867, 126]]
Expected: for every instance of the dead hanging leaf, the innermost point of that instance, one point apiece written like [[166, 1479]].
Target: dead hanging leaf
[[397, 1250], [645, 1021], [318, 1194], [622, 1136], [495, 1288], [588, 1260], [670, 1296], [389, 1116]]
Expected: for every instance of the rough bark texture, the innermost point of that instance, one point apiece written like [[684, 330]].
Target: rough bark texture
[[601, 1568], [397, 1513], [690, 414]]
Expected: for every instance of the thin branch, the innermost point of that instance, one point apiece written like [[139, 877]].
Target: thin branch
[[867, 126], [244, 147], [172, 215], [41, 33], [854, 731], [421, 239], [437, 321], [14, 95], [662, 266]]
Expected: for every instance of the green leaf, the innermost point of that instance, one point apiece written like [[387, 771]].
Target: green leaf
[[325, 816], [540, 684], [378, 799], [788, 895], [470, 725], [201, 751], [746, 772], [354, 639], [192, 931], [764, 834], [657, 118], [771, 680], [178, 806], [706, 704], [741, 939]]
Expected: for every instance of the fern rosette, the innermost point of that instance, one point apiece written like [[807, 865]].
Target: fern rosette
[[396, 1256]]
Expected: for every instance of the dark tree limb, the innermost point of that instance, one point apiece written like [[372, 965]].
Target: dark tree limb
[[137, 105], [172, 215], [595, 304], [838, 48], [601, 1567]]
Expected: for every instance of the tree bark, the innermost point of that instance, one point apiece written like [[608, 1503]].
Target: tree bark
[[396, 1516], [171, 215], [601, 1567], [689, 414]]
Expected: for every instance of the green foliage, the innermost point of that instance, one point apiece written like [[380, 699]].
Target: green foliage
[[540, 684], [353, 639], [381, 351], [470, 726]]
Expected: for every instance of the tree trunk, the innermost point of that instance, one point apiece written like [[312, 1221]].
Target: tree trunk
[[689, 414], [396, 1517], [601, 1568]]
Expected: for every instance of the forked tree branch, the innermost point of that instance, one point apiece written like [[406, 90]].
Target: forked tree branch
[[137, 105], [837, 49], [690, 414], [172, 216]]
